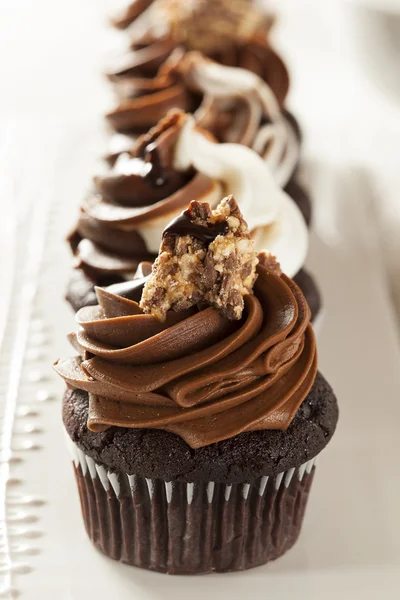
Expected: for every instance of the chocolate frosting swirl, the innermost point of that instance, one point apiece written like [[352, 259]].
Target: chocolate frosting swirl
[[144, 94], [197, 375]]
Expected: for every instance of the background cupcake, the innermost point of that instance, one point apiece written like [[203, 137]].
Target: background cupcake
[[150, 79], [232, 32], [234, 104], [194, 431], [121, 222]]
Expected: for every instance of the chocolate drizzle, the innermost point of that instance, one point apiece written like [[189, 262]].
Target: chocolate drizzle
[[182, 225], [156, 175]]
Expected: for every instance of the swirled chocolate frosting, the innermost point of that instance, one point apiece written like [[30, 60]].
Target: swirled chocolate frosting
[[206, 256], [198, 374]]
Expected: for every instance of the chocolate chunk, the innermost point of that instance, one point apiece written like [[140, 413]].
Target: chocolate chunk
[[206, 256]]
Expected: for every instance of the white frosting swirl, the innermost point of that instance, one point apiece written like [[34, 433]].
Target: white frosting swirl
[[275, 141], [274, 218]]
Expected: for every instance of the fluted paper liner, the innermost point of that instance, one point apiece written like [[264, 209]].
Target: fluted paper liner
[[190, 528]]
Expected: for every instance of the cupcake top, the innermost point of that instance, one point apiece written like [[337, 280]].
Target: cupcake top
[[234, 104], [232, 32], [205, 256], [234, 352], [121, 222], [143, 100]]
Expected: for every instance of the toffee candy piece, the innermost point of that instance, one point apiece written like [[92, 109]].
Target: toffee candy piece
[[206, 256]]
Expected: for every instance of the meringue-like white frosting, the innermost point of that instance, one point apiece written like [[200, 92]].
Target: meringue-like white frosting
[[276, 141], [274, 218]]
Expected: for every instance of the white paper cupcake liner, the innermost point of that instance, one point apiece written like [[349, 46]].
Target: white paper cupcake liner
[[187, 528]]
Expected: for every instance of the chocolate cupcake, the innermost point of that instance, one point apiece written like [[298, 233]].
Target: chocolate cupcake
[[121, 222], [195, 417]]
